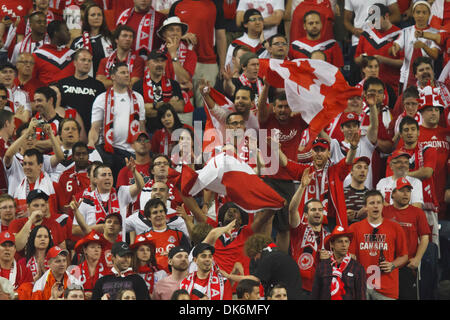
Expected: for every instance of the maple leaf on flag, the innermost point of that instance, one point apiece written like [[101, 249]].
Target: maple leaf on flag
[[305, 77]]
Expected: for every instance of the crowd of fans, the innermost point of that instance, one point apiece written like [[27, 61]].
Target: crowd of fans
[[108, 107]]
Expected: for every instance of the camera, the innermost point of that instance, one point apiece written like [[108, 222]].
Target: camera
[[41, 123]]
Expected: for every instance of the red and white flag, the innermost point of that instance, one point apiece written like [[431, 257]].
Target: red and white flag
[[314, 88], [214, 128], [233, 178]]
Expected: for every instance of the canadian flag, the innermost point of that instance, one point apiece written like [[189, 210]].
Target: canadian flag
[[214, 128], [314, 88], [233, 178]]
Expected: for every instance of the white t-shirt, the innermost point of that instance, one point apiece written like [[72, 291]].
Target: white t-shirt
[[386, 185], [122, 108], [361, 11], [88, 211], [266, 7], [406, 41], [365, 149]]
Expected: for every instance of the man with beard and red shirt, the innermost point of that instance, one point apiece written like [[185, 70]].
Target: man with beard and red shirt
[[313, 41], [415, 225], [307, 237], [290, 130]]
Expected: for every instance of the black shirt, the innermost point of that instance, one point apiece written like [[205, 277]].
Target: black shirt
[[112, 285], [278, 267], [80, 95]]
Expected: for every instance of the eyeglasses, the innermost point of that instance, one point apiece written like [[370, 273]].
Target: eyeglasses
[[256, 19]]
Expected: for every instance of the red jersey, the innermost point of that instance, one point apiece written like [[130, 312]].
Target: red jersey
[[125, 177], [366, 245], [375, 42], [203, 18], [30, 86], [70, 183], [164, 241], [305, 250], [53, 64], [230, 250], [290, 136], [438, 139], [303, 47], [326, 16], [18, 274], [414, 223], [58, 233]]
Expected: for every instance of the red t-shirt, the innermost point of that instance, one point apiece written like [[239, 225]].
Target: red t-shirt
[[326, 15], [70, 183], [378, 43], [203, 17], [30, 86], [58, 233], [125, 177], [228, 252], [137, 72], [438, 138], [303, 47], [23, 274], [414, 223], [290, 136], [392, 239]]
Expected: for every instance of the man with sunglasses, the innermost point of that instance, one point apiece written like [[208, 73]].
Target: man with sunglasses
[[380, 245]]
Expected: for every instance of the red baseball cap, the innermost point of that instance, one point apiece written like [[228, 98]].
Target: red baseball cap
[[55, 251], [400, 153], [6, 236], [401, 183], [319, 142], [365, 159], [349, 116], [138, 134]]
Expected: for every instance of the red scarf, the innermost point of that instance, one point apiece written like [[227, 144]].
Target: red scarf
[[133, 123], [320, 190], [85, 278], [146, 29], [148, 274], [27, 43], [148, 87], [87, 41], [214, 289], [337, 289], [113, 205], [33, 266], [112, 59]]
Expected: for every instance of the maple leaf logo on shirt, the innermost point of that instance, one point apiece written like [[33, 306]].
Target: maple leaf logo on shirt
[[305, 78]]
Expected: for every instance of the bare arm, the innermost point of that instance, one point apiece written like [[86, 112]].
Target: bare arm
[[263, 108], [106, 82], [348, 23], [294, 217], [372, 130], [274, 19], [14, 147], [215, 233], [422, 173], [221, 47], [94, 133], [135, 188], [423, 244]]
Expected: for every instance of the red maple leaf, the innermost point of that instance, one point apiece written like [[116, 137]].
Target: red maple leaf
[[135, 127], [303, 75]]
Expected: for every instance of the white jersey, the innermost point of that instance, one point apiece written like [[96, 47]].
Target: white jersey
[[253, 43], [19, 98], [386, 185]]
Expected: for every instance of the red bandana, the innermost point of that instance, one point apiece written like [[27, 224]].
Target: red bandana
[[133, 123]]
